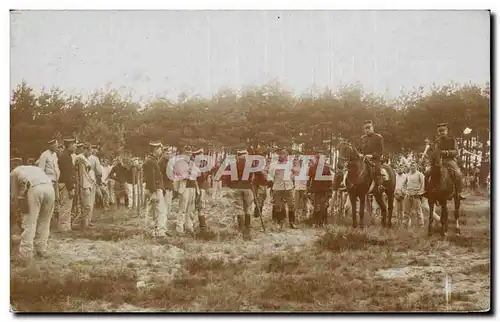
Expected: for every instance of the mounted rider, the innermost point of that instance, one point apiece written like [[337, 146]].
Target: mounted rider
[[448, 147], [372, 146]]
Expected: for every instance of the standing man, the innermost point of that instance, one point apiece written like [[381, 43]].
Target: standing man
[[372, 146], [48, 162], [282, 176], [66, 184], [154, 190], [96, 175], [321, 191], [399, 195], [260, 185], [32, 190], [119, 175], [187, 191], [105, 183], [243, 189], [202, 186], [168, 184], [300, 191], [413, 187], [86, 182]]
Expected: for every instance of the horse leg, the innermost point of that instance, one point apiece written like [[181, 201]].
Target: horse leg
[[362, 211], [431, 217], [444, 217], [457, 212], [390, 201], [383, 211], [353, 198]]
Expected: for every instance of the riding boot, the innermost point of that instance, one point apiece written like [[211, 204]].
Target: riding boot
[[246, 230], [241, 222], [291, 217], [257, 211]]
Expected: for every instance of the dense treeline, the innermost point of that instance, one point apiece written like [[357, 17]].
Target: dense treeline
[[265, 116]]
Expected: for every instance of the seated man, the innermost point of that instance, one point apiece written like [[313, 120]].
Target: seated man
[[372, 146]]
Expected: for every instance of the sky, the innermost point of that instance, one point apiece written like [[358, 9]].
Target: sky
[[164, 53]]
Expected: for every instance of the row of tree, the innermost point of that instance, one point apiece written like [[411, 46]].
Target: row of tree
[[265, 116]]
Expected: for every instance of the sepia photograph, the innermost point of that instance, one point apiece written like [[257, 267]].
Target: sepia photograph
[[250, 161]]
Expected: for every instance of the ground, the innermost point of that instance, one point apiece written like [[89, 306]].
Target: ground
[[116, 267]]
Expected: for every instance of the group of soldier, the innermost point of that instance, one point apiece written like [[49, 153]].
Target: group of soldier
[[66, 183]]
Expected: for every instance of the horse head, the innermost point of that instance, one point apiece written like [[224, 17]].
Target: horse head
[[357, 170]]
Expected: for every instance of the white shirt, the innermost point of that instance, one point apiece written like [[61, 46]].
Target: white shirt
[[400, 179], [96, 166], [106, 170], [24, 174], [48, 162]]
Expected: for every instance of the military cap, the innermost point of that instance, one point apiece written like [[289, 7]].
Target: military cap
[[94, 146], [368, 122], [155, 144], [80, 144], [442, 125], [188, 149], [241, 152], [199, 151], [69, 140], [52, 141], [16, 159]]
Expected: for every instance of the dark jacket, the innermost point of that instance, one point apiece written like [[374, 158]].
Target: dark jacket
[[119, 173], [372, 144], [449, 145], [240, 183], [67, 169], [152, 174], [168, 184]]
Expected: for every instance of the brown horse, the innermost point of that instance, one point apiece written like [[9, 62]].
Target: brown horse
[[441, 188], [359, 179]]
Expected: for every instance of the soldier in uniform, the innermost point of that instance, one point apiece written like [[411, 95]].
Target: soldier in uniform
[[320, 191], [49, 163], [86, 182], [260, 185], [187, 191], [154, 189], [201, 192], [66, 185], [372, 146], [243, 188], [168, 184], [32, 190], [449, 150]]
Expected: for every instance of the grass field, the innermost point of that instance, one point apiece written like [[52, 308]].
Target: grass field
[[115, 267]]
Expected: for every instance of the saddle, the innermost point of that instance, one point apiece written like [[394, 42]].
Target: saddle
[[383, 172]]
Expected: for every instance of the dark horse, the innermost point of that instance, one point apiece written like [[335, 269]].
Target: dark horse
[[441, 188], [359, 179]]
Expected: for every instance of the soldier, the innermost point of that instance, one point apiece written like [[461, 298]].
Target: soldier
[[372, 146], [154, 189], [320, 191], [260, 186], [66, 185], [449, 150], [281, 175], [202, 186], [48, 162], [119, 176], [300, 190], [168, 184], [187, 191], [32, 190], [86, 182], [96, 175], [243, 189]]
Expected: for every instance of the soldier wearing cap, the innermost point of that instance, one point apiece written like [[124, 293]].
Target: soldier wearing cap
[[448, 147], [281, 174], [372, 146], [66, 184], [49, 163], [186, 188], [86, 182], [32, 191], [15, 162], [243, 188], [260, 185], [96, 175], [168, 184], [154, 189], [320, 190], [202, 185]]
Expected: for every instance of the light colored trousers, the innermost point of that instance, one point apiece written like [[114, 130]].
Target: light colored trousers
[[156, 211], [131, 189], [110, 185], [412, 204], [36, 223], [246, 196], [65, 207], [168, 202], [186, 208]]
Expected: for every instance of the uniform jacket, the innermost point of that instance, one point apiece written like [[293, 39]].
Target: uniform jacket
[[67, 169], [372, 144], [447, 143], [152, 174]]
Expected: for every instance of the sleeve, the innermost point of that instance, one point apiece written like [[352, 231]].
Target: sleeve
[[42, 161]]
